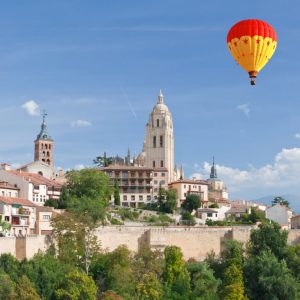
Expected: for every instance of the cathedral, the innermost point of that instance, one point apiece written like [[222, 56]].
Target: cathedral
[[158, 146]]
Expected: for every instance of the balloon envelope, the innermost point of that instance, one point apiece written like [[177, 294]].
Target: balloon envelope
[[252, 43]]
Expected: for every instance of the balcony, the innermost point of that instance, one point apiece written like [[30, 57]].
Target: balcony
[[20, 211]]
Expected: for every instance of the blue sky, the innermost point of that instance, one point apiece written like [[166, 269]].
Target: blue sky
[[97, 67]]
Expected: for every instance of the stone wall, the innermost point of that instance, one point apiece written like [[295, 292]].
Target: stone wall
[[8, 245], [195, 242]]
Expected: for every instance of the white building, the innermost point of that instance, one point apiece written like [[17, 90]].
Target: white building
[[214, 214], [280, 214], [8, 190], [33, 187], [186, 187], [20, 213]]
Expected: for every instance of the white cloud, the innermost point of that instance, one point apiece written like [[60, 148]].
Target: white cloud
[[297, 136], [79, 167], [244, 108], [282, 175], [32, 108], [80, 123]]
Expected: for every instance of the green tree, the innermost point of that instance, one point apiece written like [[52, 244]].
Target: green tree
[[10, 266], [204, 285], [167, 200], [233, 285], [191, 202], [103, 161], [88, 192], [51, 203], [268, 237], [256, 215], [77, 286], [268, 278], [46, 273], [188, 219], [76, 241], [281, 201], [149, 287], [116, 193], [176, 276], [293, 259], [146, 261], [7, 287], [25, 290]]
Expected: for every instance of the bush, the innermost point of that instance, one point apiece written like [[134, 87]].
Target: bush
[[115, 221], [188, 219]]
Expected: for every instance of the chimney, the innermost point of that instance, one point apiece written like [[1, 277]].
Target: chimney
[[5, 167]]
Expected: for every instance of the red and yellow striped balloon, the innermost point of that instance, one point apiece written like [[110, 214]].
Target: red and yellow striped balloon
[[252, 43]]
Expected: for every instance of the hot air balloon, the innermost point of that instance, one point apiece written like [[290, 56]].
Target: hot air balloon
[[252, 43]]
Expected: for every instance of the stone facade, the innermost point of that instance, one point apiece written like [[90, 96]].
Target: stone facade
[[159, 138], [195, 242], [186, 187]]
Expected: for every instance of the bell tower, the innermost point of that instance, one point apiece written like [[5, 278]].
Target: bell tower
[[159, 140], [43, 149]]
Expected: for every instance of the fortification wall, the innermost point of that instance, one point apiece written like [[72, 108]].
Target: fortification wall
[[8, 245], [195, 242]]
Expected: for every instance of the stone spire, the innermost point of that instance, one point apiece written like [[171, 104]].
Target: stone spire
[[43, 135], [43, 149], [213, 170], [160, 97]]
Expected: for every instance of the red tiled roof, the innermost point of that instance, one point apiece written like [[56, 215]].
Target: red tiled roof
[[11, 200], [36, 178], [189, 181], [6, 185]]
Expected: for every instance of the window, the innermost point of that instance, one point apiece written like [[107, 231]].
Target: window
[[3, 193], [157, 123], [161, 141], [125, 197], [184, 186], [154, 142], [163, 174], [155, 175], [132, 197], [153, 164], [46, 217], [156, 189], [6, 218], [140, 197], [161, 163], [148, 197], [162, 182], [155, 181], [184, 194], [209, 215]]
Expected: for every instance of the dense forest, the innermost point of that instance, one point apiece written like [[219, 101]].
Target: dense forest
[[77, 268]]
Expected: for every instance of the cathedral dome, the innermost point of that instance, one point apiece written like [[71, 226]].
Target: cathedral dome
[[160, 107]]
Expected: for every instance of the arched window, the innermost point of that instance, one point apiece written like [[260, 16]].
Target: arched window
[[154, 142], [48, 153], [40, 173], [161, 163], [157, 123], [161, 141], [48, 161], [46, 146]]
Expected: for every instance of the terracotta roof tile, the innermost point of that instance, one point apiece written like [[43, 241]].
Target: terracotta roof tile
[[21, 201], [36, 178]]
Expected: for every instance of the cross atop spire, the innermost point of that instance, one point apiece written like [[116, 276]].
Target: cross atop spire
[[213, 170], [160, 97], [44, 115], [43, 135]]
